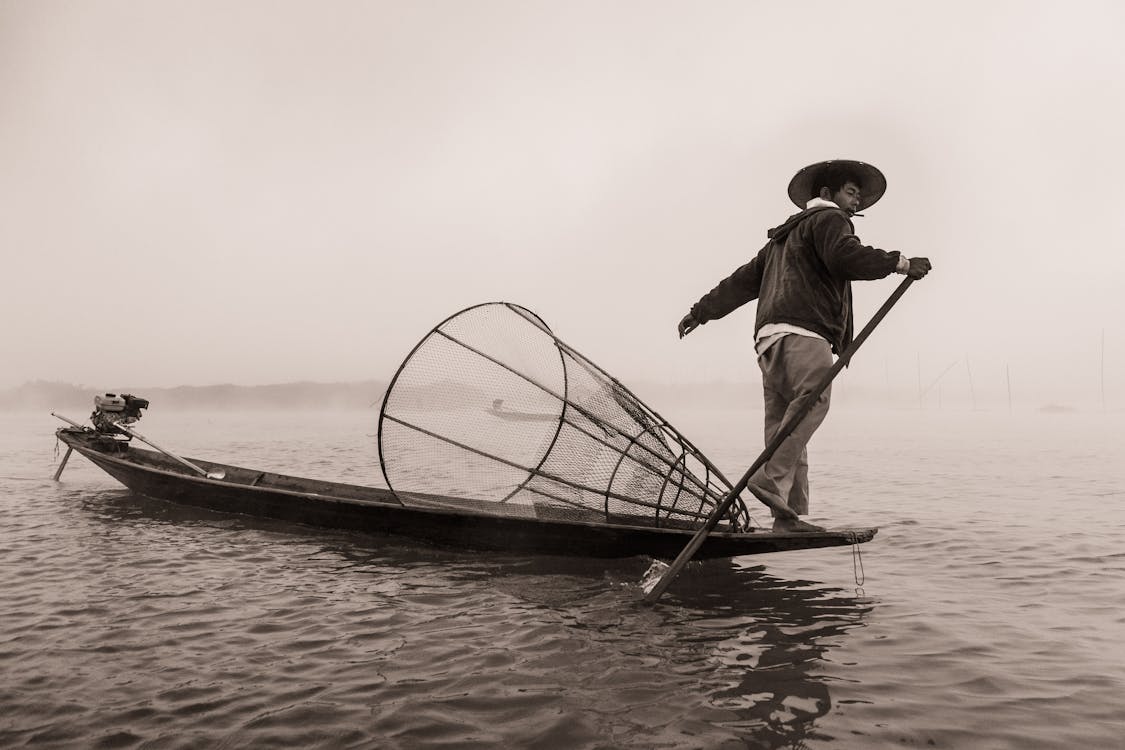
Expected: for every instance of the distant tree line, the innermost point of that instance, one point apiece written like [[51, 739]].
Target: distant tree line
[[43, 395]]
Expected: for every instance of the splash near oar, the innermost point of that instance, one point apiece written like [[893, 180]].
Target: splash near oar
[[492, 407]]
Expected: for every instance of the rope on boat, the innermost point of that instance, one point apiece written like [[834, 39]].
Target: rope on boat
[[857, 559]]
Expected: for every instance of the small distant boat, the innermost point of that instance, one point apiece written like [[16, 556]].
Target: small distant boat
[[441, 520]]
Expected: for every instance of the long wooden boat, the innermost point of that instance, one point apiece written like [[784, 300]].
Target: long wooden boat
[[435, 519]]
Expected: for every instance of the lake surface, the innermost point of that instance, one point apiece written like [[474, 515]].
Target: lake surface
[[991, 612]]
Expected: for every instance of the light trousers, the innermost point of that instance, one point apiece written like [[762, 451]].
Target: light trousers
[[791, 369]]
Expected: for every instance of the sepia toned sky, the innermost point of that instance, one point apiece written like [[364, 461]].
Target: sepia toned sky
[[264, 192]]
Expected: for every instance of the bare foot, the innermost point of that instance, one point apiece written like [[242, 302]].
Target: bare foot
[[795, 524]]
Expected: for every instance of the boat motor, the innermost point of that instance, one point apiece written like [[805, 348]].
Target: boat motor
[[111, 409]]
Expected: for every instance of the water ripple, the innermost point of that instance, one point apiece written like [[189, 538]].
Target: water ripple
[[992, 606]]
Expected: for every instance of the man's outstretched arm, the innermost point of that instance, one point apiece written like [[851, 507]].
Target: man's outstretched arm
[[728, 295]]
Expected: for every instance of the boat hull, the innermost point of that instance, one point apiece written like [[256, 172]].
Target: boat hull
[[373, 510]]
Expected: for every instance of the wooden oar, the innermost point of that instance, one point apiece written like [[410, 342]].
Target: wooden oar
[[143, 439], [658, 587], [170, 454]]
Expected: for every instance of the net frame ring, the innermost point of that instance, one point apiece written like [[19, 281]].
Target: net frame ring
[[437, 330], [711, 487]]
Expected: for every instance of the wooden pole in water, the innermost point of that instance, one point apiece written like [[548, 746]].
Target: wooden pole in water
[[658, 588], [919, 380], [1102, 371], [62, 464], [937, 380], [1008, 377], [69, 450], [972, 390]]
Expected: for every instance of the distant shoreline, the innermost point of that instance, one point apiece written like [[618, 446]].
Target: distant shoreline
[[41, 395], [368, 394]]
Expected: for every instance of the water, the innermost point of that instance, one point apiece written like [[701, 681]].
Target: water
[[990, 616]]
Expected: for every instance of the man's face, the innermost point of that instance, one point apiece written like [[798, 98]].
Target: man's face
[[847, 197]]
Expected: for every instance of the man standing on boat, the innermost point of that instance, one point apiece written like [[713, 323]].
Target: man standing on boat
[[802, 281]]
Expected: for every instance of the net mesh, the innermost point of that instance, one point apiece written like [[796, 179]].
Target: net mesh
[[491, 411]]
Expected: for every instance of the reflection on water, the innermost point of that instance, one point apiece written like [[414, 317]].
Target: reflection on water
[[996, 607], [733, 652], [770, 636], [750, 642]]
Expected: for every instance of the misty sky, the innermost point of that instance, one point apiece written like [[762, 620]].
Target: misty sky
[[265, 192]]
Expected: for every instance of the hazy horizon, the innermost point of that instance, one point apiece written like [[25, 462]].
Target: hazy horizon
[[661, 397], [273, 192]]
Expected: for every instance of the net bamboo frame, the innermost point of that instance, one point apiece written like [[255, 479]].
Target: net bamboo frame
[[494, 413]]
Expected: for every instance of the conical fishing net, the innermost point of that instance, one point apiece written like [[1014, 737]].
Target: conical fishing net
[[492, 412]]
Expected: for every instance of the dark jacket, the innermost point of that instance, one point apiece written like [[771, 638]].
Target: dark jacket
[[803, 276]]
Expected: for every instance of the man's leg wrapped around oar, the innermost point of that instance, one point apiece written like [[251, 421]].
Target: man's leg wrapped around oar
[[792, 369]]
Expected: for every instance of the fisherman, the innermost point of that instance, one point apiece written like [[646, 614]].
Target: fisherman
[[802, 281]]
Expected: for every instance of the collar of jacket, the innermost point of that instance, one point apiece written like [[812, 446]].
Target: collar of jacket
[[820, 203], [780, 232]]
